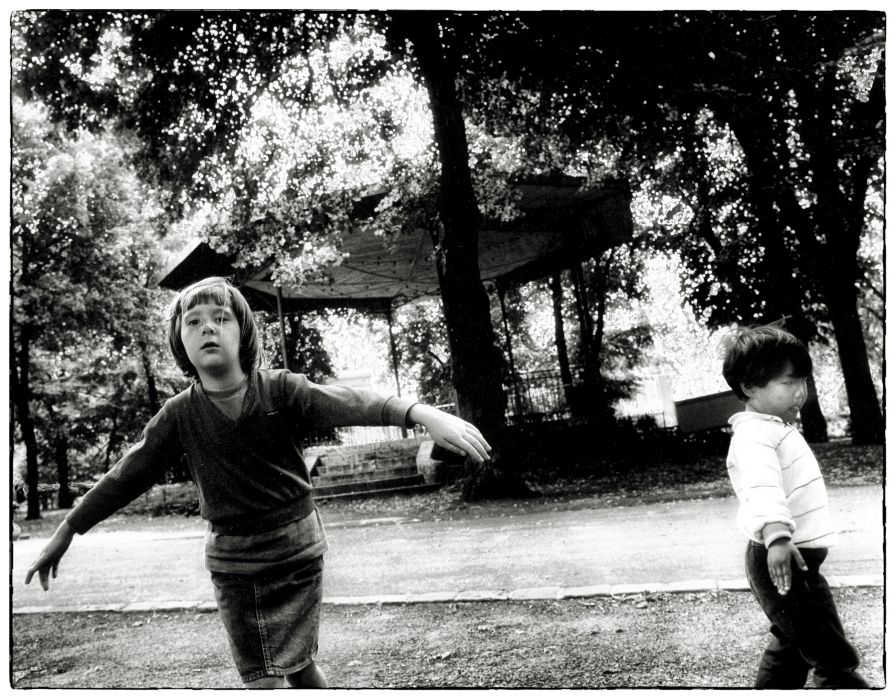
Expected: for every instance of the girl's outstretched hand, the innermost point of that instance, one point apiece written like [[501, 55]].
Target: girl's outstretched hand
[[452, 433], [48, 560]]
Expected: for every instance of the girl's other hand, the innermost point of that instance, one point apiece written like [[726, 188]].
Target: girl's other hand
[[47, 562]]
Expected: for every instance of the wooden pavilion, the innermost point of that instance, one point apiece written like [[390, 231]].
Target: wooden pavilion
[[561, 224]]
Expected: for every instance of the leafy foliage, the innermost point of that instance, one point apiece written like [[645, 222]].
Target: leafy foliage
[[766, 128], [422, 348], [305, 351], [271, 123], [183, 81], [752, 136], [603, 104], [85, 327]]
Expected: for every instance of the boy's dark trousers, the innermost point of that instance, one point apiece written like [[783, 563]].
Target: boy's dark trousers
[[806, 627]]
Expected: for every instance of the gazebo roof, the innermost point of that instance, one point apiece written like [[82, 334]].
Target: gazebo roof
[[561, 223]]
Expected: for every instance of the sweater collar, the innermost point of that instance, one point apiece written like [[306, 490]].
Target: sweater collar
[[745, 416], [249, 399], [228, 393]]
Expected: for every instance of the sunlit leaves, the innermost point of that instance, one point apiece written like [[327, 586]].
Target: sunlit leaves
[[336, 122], [290, 117], [83, 233], [185, 82], [81, 218], [422, 345]]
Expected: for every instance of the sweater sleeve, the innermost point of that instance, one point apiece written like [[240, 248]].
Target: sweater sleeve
[[334, 405], [762, 496], [141, 467]]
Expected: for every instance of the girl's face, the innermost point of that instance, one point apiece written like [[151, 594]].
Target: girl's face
[[210, 334], [782, 396]]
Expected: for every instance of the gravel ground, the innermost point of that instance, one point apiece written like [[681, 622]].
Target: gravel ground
[[696, 640], [668, 640]]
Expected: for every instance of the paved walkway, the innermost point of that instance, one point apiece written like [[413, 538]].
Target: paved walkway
[[572, 552]]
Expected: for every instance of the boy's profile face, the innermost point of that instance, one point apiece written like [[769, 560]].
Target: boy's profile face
[[210, 334], [782, 396]]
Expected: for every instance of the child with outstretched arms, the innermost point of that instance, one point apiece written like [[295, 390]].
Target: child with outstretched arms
[[240, 428]]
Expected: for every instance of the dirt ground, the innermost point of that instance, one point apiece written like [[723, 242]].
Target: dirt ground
[[693, 640], [706, 640]]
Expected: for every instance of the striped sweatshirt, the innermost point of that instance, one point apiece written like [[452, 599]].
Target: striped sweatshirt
[[777, 480]]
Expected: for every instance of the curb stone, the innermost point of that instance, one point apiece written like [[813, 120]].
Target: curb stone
[[161, 606], [544, 593], [585, 591], [437, 597], [548, 593]]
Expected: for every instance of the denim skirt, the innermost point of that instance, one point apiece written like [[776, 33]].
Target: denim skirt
[[272, 619]]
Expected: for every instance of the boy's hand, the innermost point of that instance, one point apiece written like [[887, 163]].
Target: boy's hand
[[451, 432], [48, 560], [780, 553]]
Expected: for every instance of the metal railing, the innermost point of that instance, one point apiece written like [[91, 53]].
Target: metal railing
[[360, 435], [537, 396]]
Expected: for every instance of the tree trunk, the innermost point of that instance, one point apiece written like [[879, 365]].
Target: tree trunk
[[601, 404], [152, 393], [600, 318], [111, 444], [586, 325], [475, 356], [21, 391], [815, 425], [556, 285], [64, 498], [842, 153], [519, 409], [760, 143], [865, 417], [841, 297]]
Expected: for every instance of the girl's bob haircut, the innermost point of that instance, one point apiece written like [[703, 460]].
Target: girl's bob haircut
[[755, 356], [213, 290]]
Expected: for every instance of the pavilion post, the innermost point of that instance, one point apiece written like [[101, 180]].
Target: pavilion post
[[556, 286], [282, 327], [404, 430], [585, 323], [518, 403]]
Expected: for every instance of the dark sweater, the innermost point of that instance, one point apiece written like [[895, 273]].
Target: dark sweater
[[250, 472]]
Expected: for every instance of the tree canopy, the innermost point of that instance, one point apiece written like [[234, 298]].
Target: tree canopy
[[765, 127], [83, 239], [753, 138]]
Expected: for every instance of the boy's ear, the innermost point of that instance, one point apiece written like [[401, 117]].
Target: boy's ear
[[747, 389]]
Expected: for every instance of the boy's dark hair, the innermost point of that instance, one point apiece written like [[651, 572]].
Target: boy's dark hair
[[755, 356], [213, 290]]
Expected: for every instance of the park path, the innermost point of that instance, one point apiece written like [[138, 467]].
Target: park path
[[683, 543]]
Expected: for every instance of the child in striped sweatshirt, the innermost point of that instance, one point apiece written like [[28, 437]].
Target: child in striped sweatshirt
[[784, 512]]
